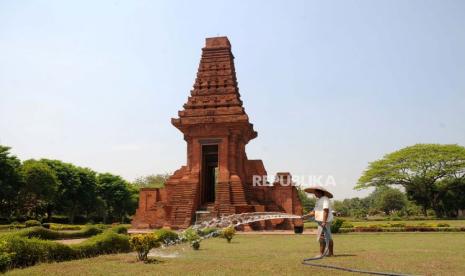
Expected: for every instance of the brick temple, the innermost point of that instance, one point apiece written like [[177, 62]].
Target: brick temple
[[218, 177]]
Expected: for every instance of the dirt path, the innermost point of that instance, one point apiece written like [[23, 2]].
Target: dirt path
[[71, 241]]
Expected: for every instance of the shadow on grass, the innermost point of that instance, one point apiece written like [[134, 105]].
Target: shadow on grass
[[153, 261], [342, 255]]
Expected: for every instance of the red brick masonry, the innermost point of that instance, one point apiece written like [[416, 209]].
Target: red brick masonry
[[216, 129]]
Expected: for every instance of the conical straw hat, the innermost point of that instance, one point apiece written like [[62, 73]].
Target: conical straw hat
[[316, 187]]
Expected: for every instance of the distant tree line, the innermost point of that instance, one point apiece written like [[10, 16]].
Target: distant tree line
[[383, 201], [43, 188]]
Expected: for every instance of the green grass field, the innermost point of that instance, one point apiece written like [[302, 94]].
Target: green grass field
[[415, 253]]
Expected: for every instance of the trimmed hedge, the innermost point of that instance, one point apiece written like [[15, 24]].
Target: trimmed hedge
[[32, 223], [47, 234], [402, 229], [107, 243], [26, 252], [59, 227], [12, 226], [120, 229], [21, 251]]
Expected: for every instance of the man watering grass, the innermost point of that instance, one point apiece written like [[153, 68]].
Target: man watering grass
[[323, 216]]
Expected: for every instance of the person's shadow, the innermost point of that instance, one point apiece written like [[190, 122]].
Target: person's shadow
[[342, 255]]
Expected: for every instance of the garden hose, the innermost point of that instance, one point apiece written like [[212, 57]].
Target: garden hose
[[327, 234]]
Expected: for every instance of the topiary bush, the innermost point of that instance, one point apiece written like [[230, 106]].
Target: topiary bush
[[166, 236], [143, 243], [228, 233], [32, 223]]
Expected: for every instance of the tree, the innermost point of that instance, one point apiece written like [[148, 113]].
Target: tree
[[392, 200], [10, 182], [422, 170], [40, 186], [386, 199], [116, 195], [353, 207], [87, 191], [152, 180], [308, 203], [454, 196], [69, 188]]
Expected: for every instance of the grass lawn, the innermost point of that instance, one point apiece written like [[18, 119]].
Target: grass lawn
[[415, 253]]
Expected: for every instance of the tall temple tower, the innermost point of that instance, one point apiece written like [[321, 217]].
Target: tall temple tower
[[218, 178]]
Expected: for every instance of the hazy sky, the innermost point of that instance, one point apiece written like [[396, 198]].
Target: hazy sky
[[328, 85]]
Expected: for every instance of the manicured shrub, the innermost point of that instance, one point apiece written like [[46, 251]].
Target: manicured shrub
[[47, 234], [17, 225], [5, 257], [27, 252], [395, 218], [166, 236], [397, 225], [336, 224], [108, 242], [346, 224], [11, 226], [209, 231], [5, 261], [442, 224], [59, 227], [32, 223], [367, 229], [120, 229], [420, 228], [228, 233], [143, 243], [22, 251]]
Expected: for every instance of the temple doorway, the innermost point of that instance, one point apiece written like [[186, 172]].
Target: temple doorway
[[209, 173]]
